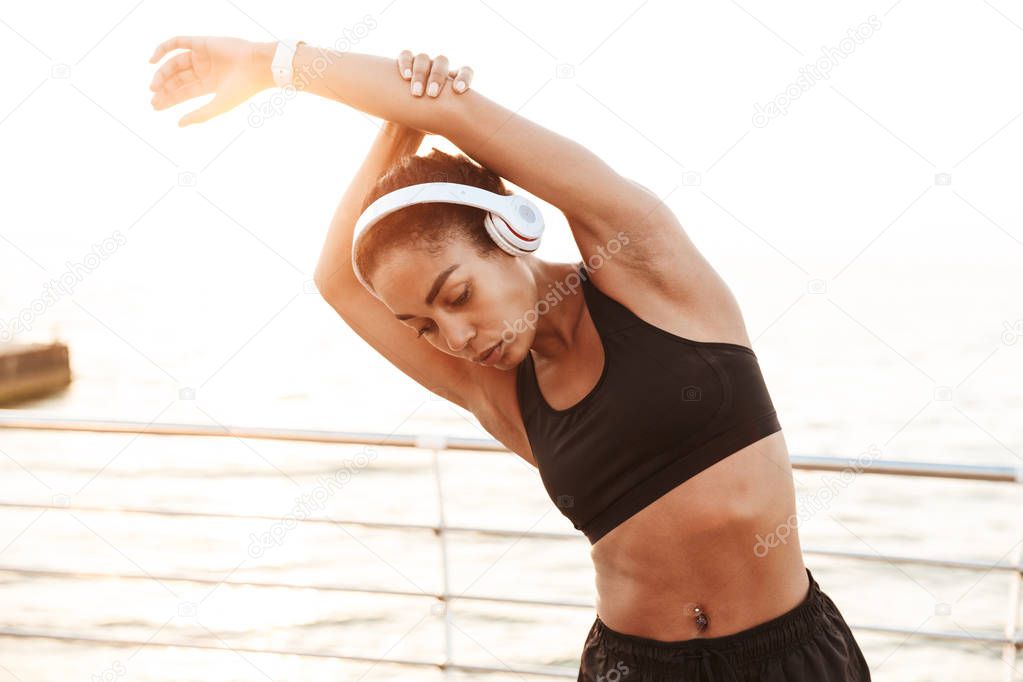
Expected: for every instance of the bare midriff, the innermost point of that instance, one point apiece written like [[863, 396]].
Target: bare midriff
[[723, 544]]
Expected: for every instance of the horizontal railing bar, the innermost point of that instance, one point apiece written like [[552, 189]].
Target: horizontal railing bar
[[943, 635], [543, 671], [500, 532], [946, 635], [18, 419], [964, 564], [98, 575], [894, 467], [388, 525]]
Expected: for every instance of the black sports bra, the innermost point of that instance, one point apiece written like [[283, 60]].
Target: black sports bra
[[664, 409]]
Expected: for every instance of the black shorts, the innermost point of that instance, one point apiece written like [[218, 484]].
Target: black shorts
[[810, 643]]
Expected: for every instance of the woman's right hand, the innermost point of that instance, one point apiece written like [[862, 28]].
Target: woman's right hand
[[232, 69]]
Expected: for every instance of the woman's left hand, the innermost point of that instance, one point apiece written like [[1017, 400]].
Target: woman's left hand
[[430, 75]]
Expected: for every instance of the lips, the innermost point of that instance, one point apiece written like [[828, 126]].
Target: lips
[[490, 353]]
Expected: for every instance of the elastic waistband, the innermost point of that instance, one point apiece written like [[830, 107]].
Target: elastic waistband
[[765, 639]]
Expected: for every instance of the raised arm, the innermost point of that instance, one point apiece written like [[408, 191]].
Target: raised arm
[[550, 166], [454, 379], [334, 269], [598, 202]]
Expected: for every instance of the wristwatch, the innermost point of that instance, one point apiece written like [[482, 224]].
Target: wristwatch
[[281, 66]]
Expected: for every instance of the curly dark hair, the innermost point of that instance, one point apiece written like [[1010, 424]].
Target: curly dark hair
[[428, 226]]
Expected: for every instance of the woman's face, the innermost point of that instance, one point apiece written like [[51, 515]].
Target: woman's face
[[461, 303]]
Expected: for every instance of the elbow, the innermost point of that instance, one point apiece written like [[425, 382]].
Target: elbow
[[337, 284], [321, 283], [327, 282]]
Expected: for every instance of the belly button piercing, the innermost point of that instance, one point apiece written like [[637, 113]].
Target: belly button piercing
[[701, 619]]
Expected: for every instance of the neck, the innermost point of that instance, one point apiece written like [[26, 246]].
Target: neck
[[556, 328]]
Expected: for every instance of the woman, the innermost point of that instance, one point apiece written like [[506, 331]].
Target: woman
[[626, 378]]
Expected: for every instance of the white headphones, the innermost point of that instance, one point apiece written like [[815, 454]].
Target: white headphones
[[513, 222]]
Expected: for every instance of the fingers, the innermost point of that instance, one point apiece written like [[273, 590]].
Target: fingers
[[430, 75], [179, 80], [203, 113], [463, 79], [179, 89], [181, 63], [175, 43], [420, 70], [438, 75], [405, 64]]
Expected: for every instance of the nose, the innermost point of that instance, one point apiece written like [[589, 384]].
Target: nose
[[458, 337]]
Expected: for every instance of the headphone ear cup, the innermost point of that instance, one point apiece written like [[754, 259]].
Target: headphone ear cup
[[497, 228]]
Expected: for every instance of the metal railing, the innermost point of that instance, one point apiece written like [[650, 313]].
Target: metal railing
[[1010, 640]]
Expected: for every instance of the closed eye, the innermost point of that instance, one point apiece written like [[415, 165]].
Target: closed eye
[[461, 300]]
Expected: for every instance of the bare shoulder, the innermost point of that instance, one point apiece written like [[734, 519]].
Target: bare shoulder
[[667, 282], [649, 264]]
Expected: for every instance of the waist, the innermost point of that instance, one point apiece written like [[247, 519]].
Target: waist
[[735, 556], [725, 580], [814, 616]]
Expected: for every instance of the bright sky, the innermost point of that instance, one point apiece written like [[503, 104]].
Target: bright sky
[[892, 174]]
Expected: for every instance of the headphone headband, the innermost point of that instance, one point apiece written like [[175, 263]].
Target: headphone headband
[[513, 222]]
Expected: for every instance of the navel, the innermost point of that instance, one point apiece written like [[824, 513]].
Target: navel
[[699, 616]]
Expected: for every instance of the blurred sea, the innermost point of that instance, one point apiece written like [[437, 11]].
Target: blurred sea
[[839, 390]]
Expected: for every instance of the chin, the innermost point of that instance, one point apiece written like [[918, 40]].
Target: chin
[[508, 361], [505, 362]]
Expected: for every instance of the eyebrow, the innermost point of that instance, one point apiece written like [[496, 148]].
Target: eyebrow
[[434, 290]]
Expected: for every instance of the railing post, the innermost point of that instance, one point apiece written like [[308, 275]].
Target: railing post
[[436, 444], [1012, 622]]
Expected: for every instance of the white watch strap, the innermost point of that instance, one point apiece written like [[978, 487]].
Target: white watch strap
[[281, 65]]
